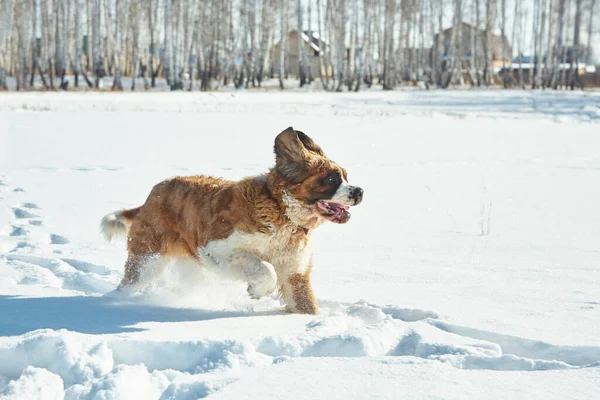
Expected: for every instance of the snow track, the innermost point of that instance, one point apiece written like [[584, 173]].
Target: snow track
[[450, 298]]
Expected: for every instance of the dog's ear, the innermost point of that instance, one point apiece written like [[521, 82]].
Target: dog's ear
[[293, 154], [288, 147], [292, 145], [309, 144]]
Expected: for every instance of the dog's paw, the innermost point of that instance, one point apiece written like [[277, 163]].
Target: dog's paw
[[311, 309], [262, 279], [257, 291]]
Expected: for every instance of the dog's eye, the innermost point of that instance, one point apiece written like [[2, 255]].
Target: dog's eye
[[333, 178]]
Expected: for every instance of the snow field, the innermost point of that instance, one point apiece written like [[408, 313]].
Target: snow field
[[470, 271]]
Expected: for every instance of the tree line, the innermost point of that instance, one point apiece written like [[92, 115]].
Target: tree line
[[343, 44]]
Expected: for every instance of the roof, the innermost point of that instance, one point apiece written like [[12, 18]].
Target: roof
[[471, 25], [314, 43]]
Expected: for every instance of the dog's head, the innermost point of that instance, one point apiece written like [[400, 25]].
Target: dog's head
[[312, 180]]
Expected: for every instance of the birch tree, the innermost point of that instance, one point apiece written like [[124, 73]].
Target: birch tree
[[168, 44], [121, 8], [590, 33], [388, 45], [488, 43], [575, 49], [299, 42], [98, 56], [282, 42]]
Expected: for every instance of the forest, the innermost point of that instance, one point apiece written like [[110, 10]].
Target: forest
[[337, 45]]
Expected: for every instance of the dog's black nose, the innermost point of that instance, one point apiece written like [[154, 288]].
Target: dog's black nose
[[356, 194]]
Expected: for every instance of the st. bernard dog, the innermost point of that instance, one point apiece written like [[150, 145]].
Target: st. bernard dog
[[257, 229]]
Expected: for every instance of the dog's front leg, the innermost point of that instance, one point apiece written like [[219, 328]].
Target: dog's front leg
[[298, 294], [259, 274]]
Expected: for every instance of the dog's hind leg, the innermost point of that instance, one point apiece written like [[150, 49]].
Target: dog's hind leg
[[140, 270]]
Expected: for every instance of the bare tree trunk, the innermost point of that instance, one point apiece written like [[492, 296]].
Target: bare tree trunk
[[177, 47], [251, 30], [550, 47], [309, 48], [543, 60], [438, 44], [451, 57], [590, 33], [168, 68], [559, 44], [458, 74], [151, 12], [513, 38], [134, 15], [77, 22], [421, 62], [322, 61], [575, 51], [534, 67], [121, 7], [202, 61], [23, 26], [282, 42], [97, 46], [299, 42], [6, 22], [89, 56], [33, 41], [388, 44], [194, 47], [488, 44], [522, 17], [563, 56], [66, 10], [503, 29], [360, 56], [49, 31], [403, 63], [264, 40], [340, 42], [59, 62], [351, 52], [478, 42]]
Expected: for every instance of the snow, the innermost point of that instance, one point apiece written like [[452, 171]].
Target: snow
[[471, 269]]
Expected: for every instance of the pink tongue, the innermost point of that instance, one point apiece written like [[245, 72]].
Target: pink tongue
[[335, 208], [339, 207]]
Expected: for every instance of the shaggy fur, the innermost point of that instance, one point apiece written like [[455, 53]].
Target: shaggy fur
[[257, 229]]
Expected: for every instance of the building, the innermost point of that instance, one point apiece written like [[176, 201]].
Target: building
[[472, 40], [291, 52]]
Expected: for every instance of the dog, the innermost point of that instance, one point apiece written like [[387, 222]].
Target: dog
[[257, 229]]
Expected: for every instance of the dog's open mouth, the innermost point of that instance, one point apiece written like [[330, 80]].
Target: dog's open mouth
[[334, 212]]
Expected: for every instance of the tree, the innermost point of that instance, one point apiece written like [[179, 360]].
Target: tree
[[590, 33], [388, 45], [488, 43], [353, 42], [282, 42], [169, 68], [299, 42], [121, 17], [503, 32], [98, 56], [575, 50]]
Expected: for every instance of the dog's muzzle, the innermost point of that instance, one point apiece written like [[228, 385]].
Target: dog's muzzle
[[356, 195]]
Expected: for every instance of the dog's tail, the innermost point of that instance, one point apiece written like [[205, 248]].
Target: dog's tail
[[117, 224]]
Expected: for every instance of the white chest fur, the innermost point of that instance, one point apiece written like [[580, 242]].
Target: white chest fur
[[282, 248]]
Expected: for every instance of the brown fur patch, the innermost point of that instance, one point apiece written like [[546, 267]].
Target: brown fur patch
[[183, 214], [302, 294]]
